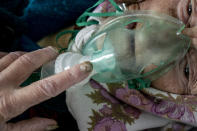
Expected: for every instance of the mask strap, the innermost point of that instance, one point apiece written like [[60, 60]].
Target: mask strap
[[82, 20], [138, 83], [72, 32]]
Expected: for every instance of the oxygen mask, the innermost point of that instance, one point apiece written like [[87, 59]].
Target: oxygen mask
[[125, 46]]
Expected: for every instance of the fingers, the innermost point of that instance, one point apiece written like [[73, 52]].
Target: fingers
[[22, 68], [47, 88], [34, 124], [2, 54], [191, 32], [17, 101], [8, 59]]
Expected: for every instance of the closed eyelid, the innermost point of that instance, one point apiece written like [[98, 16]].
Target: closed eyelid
[[182, 13], [193, 18], [192, 57], [185, 80], [190, 3]]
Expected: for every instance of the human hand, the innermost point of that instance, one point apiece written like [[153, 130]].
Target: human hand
[[15, 68]]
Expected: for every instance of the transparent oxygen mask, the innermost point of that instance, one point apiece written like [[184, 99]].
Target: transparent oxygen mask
[[120, 53]]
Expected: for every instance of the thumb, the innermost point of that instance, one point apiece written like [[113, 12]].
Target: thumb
[[34, 124]]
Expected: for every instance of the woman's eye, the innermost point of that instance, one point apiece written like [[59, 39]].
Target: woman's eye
[[186, 71], [189, 10]]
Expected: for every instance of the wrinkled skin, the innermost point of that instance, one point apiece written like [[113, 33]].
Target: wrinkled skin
[[15, 68], [182, 79]]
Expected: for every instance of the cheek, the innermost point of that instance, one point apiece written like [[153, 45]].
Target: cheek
[[193, 22], [169, 82]]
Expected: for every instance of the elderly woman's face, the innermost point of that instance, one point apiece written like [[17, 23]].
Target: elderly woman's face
[[183, 78]]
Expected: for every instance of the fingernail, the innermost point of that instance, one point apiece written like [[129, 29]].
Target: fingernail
[[53, 49], [86, 67], [52, 127]]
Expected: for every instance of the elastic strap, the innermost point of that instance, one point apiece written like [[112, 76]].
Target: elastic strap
[[82, 20], [59, 35], [139, 83]]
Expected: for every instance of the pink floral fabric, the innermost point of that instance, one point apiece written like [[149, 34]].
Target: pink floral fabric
[[133, 102]]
